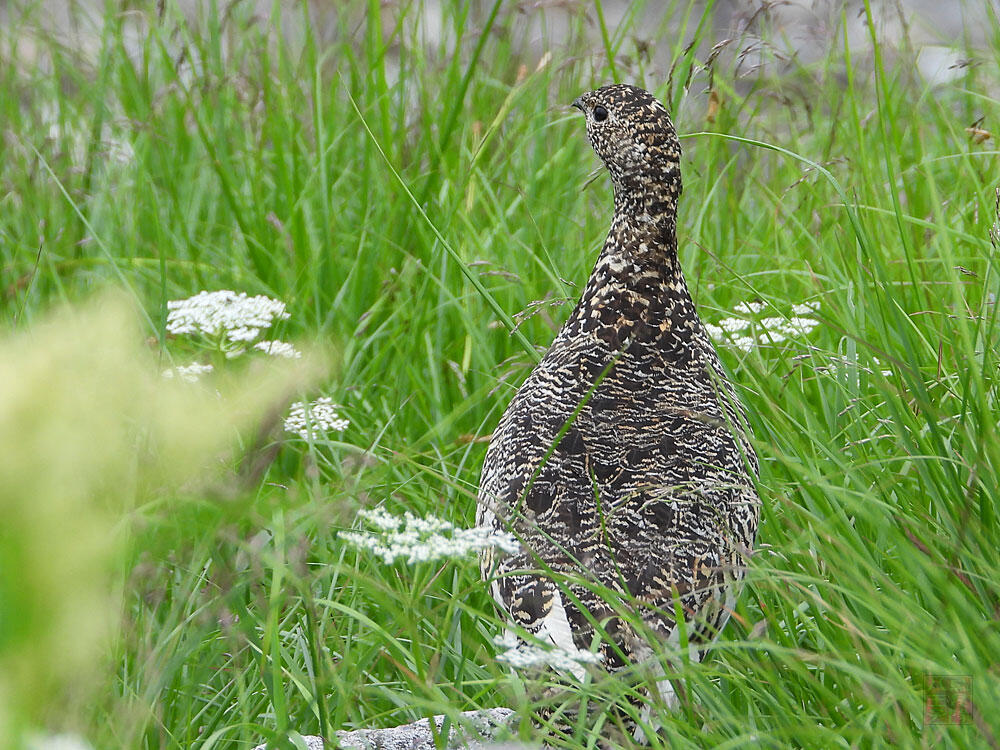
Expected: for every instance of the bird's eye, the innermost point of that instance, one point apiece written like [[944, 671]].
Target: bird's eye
[[600, 113]]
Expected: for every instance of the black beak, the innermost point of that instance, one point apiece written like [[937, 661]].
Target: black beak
[[578, 104]]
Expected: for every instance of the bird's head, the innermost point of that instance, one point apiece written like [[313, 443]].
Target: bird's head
[[633, 135]]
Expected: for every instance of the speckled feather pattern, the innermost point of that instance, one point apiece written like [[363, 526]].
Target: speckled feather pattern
[[623, 459]]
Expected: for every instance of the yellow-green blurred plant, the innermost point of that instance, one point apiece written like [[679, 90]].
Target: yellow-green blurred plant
[[89, 429]]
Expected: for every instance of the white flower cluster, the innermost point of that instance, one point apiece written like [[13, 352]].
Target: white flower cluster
[[424, 539], [746, 331], [521, 655], [305, 418], [237, 316], [278, 349], [188, 373]]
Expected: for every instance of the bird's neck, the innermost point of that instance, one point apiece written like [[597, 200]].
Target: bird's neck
[[637, 290], [647, 197]]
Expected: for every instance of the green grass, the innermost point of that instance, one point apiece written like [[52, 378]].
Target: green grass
[[403, 200]]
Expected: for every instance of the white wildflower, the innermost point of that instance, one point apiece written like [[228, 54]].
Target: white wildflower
[[243, 333], [749, 332], [188, 373], [237, 316], [785, 327], [522, 655], [806, 308], [314, 418], [743, 343], [382, 519], [424, 539], [749, 308], [278, 349], [732, 325]]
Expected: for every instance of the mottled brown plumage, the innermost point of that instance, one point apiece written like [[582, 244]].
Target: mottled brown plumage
[[623, 458]]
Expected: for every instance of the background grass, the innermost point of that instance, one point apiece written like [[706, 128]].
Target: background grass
[[367, 179]]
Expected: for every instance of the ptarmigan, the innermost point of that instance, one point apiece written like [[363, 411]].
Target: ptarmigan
[[623, 459]]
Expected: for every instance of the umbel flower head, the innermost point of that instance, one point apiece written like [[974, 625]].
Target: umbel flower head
[[522, 655], [423, 539], [747, 330], [278, 349], [314, 418], [236, 316]]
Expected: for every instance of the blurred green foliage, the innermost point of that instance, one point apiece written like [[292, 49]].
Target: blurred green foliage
[[89, 433]]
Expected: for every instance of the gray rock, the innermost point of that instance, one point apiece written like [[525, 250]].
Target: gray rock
[[476, 731]]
